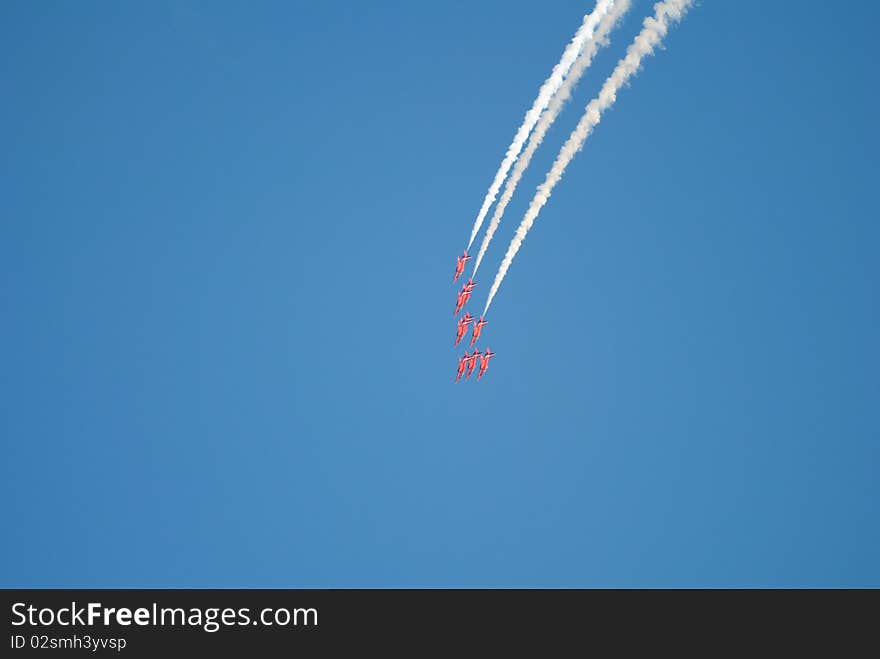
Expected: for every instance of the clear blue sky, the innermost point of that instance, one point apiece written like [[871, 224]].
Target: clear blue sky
[[227, 233]]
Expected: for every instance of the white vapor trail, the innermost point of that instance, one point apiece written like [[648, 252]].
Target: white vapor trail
[[653, 30], [545, 93], [549, 116]]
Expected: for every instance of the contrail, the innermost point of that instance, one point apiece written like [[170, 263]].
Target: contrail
[[548, 89], [653, 30], [549, 116]]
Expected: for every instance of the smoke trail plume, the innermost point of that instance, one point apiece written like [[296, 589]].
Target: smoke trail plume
[[653, 30], [545, 93], [583, 62]]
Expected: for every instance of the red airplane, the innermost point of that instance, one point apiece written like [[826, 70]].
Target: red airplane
[[472, 362], [460, 332], [463, 296], [462, 327], [459, 304], [467, 289], [459, 264], [478, 329], [462, 362], [484, 362]]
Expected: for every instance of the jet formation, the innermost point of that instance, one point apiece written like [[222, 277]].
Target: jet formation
[[468, 362]]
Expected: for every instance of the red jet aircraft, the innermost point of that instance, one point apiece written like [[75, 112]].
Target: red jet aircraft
[[478, 329], [459, 304], [462, 362], [472, 363], [463, 296], [484, 362], [459, 264], [467, 289], [463, 327]]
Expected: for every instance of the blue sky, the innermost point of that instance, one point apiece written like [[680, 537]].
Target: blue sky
[[228, 232]]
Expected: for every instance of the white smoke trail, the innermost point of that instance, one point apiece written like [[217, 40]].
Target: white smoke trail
[[653, 31], [545, 93], [549, 116]]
